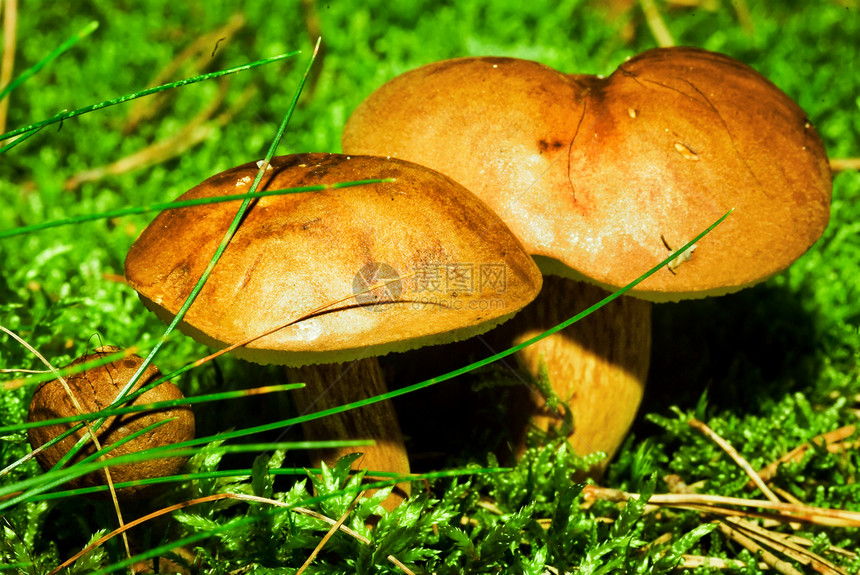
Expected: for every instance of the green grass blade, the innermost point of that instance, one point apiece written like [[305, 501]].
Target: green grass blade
[[23, 138], [160, 206], [220, 250], [122, 99], [105, 450], [111, 412], [64, 47], [514, 349], [12, 494], [231, 231], [450, 375], [68, 370]]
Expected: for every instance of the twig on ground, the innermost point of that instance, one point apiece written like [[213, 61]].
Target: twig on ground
[[733, 453], [337, 525], [744, 17], [7, 66], [844, 164], [694, 561], [314, 29], [831, 439], [720, 505], [794, 548], [656, 24], [756, 549]]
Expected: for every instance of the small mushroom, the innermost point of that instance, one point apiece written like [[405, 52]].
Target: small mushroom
[[597, 177], [95, 389], [349, 273]]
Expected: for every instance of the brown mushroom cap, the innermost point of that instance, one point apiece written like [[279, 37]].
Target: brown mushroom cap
[[602, 176], [95, 389], [460, 269]]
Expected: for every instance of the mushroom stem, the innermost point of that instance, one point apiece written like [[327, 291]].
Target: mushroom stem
[[597, 366], [333, 385]]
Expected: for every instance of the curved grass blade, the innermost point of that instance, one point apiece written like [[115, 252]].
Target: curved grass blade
[[58, 51], [516, 348], [20, 140], [167, 451], [25, 489], [450, 375], [161, 206], [68, 370], [228, 235], [122, 99], [111, 412], [201, 282], [130, 437]]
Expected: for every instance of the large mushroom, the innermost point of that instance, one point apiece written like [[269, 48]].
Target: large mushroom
[[602, 177], [349, 273]]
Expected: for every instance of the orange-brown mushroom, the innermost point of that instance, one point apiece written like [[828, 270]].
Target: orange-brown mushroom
[[600, 178], [96, 389], [351, 274]]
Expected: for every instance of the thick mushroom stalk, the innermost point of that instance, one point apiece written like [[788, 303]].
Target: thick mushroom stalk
[[600, 176], [597, 366], [329, 386], [343, 274]]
